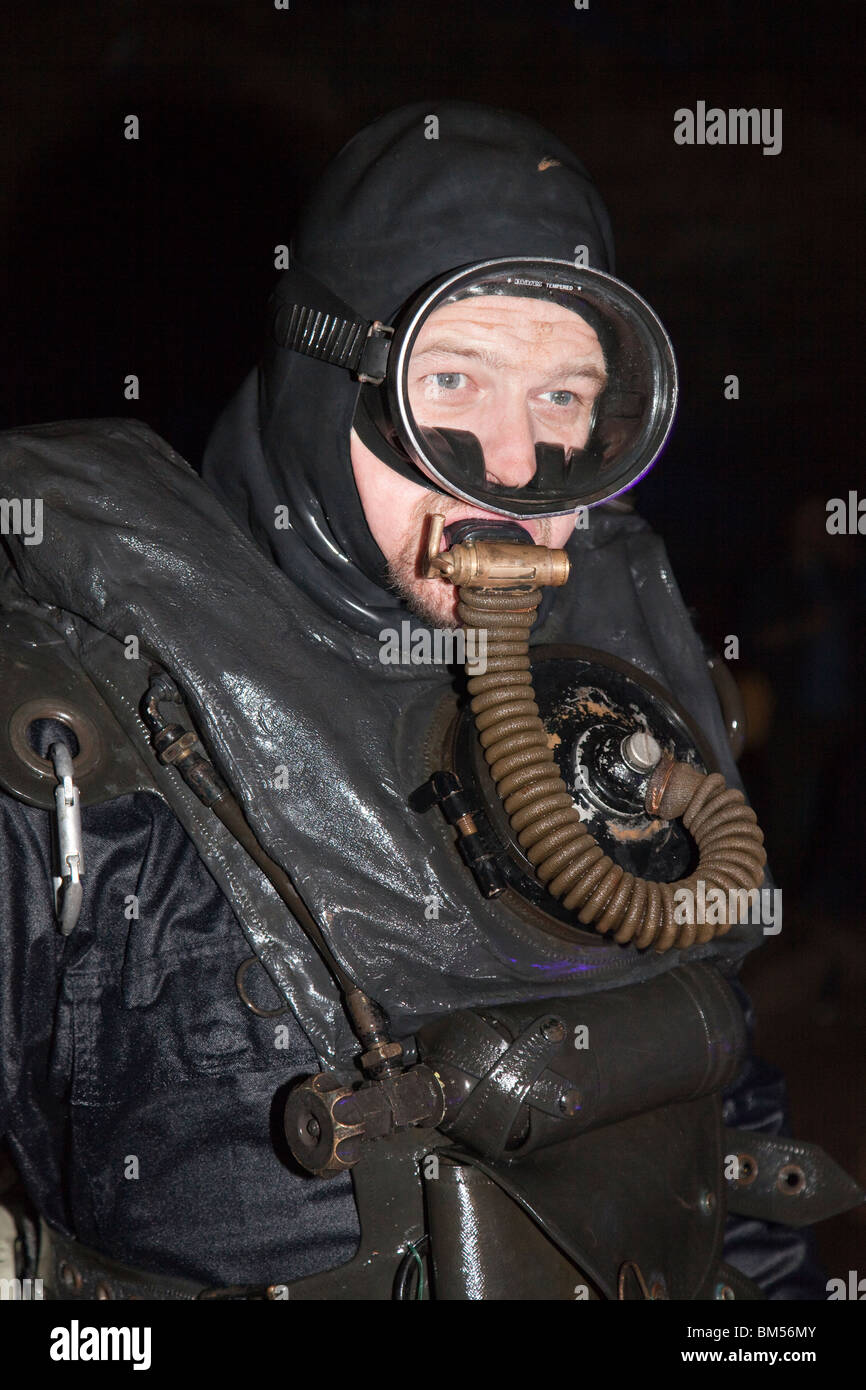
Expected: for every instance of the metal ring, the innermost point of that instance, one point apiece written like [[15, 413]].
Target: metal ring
[[80, 724], [240, 976], [791, 1180], [631, 1267], [70, 1277]]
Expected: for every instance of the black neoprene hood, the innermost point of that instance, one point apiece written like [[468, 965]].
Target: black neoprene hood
[[393, 210]]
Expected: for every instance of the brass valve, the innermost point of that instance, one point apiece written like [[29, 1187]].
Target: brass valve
[[328, 1120], [494, 564], [320, 1124]]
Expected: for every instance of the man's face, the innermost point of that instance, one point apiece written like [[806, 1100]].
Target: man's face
[[513, 372]]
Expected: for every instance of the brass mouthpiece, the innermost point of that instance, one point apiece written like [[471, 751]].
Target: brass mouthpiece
[[494, 564]]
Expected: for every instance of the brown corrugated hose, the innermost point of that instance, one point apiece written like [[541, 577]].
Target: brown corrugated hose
[[566, 858]]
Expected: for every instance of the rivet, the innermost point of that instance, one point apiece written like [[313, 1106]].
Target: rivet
[[570, 1103]]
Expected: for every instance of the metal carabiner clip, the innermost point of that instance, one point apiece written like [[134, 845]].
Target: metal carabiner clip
[[68, 888]]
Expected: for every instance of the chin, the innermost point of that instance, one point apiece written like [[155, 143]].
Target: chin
[[434, 601]]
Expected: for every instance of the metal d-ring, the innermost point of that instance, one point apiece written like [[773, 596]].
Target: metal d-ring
[[240, 976], [633, 1268]]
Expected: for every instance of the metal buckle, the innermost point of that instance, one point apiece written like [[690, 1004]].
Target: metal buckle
[[374, 358]]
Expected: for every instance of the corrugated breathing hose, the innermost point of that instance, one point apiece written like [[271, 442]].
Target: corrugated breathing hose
[[565, 857]]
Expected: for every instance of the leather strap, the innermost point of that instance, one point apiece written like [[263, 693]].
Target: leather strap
[[69, 1270], [493, 1106], [775, 1178]]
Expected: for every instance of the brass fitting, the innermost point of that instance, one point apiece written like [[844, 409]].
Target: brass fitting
[[494, 564], [671, 787]]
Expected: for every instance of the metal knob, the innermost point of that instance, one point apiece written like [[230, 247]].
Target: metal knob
[[321, 1138], [641, 751]]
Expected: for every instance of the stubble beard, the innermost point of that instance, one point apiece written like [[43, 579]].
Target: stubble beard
[[434, 601]]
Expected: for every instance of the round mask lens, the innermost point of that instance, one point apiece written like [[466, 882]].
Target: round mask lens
[[530, 387]]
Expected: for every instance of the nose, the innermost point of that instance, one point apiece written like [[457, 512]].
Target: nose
[[509, 445]]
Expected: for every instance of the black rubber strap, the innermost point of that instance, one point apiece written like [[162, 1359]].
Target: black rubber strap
[[326, 336]]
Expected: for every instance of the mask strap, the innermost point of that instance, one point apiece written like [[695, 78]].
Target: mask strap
[[306, 317], [317, 334]]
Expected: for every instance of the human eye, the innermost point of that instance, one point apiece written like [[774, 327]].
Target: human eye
[[561, 398], [440, 382]]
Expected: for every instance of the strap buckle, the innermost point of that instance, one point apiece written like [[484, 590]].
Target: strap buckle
[[374, 357]]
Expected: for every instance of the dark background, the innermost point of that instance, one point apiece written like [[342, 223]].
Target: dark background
[[156, 256]]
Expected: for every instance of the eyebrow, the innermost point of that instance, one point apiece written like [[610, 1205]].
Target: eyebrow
[[493, 360]]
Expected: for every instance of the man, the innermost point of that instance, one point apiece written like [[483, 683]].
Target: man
[[141, 1099]]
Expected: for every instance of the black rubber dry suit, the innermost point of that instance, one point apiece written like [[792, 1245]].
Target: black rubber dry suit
[[139, 1097]]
